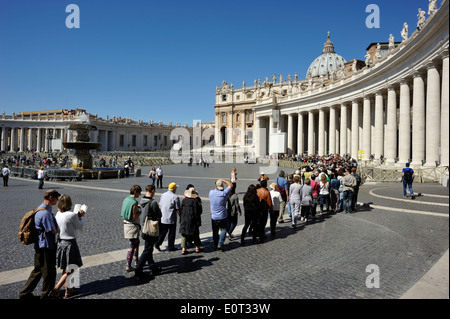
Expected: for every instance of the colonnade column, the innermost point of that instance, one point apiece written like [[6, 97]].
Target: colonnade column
[[46, 140], [290, 133], [391, 126], [311, 150], [300, 135], [378, 147], [4, 139], [22, 140], [256, 137], [343, 130], [445, 111], [433, 113], [217, 137], [38, 140], [270, 124], [404, 127], [242, 129], [367, 127], [106, 147], [418, 121], [332, 132], [355, 129], [13, 139], [321, 148]]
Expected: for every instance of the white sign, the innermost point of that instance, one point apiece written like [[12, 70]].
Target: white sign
[[277, 143]]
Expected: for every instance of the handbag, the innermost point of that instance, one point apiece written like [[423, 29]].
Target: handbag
[[151, 227]]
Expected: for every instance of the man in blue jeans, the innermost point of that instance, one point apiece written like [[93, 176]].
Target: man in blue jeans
[[219, 215], [408, 178]]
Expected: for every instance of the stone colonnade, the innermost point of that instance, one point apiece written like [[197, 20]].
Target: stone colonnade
[[405, 121]]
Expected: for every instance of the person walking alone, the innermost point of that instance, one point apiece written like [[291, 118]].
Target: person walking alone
[[408, 178], [159, 177], [5, 175]]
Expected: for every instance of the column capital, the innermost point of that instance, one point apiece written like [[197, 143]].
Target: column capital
[[378, 93], [431, 65], [404, 81], [418, 73], [444, 53]]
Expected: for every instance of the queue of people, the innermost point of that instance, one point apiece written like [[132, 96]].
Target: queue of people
[[300, 193]]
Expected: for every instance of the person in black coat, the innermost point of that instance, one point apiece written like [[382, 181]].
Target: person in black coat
[[190, 220], [252, 211]]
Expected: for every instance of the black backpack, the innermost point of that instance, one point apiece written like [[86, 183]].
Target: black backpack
[[407, 176]]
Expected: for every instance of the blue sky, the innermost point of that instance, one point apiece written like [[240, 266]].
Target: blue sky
[[162, 60]]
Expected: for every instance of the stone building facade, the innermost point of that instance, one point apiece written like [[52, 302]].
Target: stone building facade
[[45, 131]]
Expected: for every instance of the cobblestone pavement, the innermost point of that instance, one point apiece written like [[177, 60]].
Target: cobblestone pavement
[[326, 259]]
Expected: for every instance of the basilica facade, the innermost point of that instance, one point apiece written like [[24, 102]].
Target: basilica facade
[[393, 105]]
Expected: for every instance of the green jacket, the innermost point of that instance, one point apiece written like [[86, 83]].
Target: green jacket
[[127, 207]]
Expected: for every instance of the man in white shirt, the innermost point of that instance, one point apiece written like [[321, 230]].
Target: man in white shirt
[[159, 177], [5, 174]]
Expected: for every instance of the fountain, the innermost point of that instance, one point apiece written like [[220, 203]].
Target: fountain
[[82, 160]]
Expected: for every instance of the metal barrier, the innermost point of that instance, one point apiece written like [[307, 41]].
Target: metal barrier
[[29, 172], [16, 171], [102, 173], [422, 175], [62, 174]]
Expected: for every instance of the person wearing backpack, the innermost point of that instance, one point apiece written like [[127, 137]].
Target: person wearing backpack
[[45, 249], [408, 178]]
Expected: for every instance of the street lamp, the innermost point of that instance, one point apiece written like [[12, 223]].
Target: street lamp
[[49, 137]]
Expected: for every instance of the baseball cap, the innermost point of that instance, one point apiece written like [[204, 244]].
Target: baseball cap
[[173, 186]]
